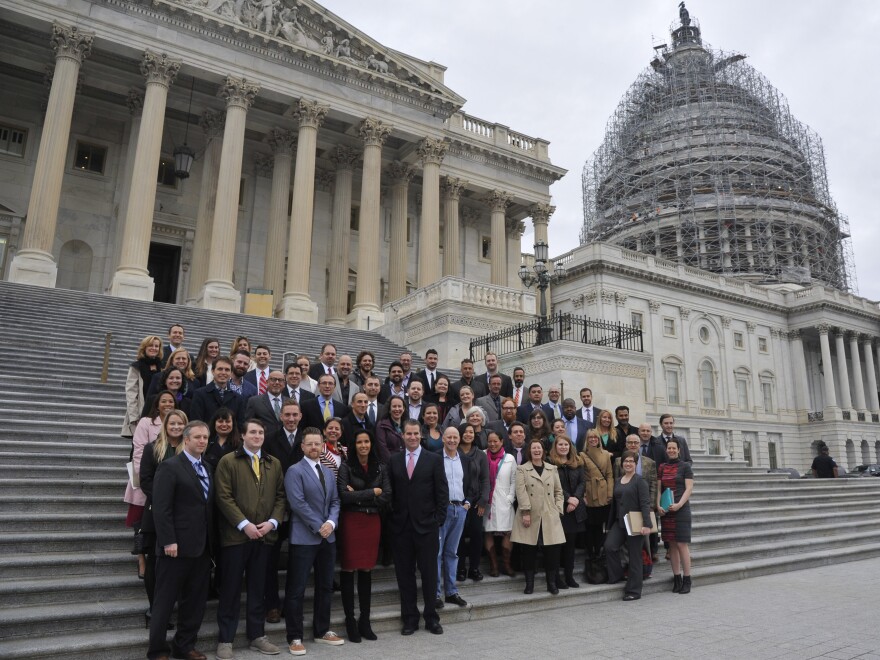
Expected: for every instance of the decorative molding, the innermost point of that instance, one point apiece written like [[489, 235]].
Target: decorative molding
[[823, 328], [345, 158], [607, 296], [684, 313], [541, 213], [451, 188], [621, 298], [373, 132], [586, 365], [498, 200], [159, 69], [324, 179], [135, 100], [238, 92], [432, 150], [310, 114], [212, 123], [71, 42], [399, 172], [750, 327], [263, 164], [281, 141], [654, 306], [726, 321]]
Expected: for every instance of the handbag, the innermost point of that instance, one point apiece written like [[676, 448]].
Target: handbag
[[596, 571]]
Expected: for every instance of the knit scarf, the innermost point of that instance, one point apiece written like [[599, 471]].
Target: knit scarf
[[494, 464]]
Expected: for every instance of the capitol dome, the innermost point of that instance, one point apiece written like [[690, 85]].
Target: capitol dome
[[703, 164]]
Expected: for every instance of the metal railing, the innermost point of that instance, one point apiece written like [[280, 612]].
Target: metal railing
[[560, 326]]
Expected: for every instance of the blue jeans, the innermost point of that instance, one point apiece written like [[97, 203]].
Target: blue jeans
[[447, 558]]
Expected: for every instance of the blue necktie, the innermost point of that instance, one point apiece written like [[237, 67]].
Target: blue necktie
[[203, 477]]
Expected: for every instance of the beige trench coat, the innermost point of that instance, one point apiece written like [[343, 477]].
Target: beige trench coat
[[541, 495]]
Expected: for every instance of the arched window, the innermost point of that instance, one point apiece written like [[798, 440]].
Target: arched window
[[672, 377], [707, 384], [767, 391], [850, 455], [743, 379], [866, 453], [75, 266]]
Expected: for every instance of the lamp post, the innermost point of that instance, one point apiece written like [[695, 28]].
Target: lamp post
[[542, 278]]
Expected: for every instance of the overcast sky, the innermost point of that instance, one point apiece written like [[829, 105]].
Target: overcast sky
[[557, 69]]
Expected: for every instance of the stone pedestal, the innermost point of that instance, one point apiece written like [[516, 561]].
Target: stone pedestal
[[33, 267], [362, 318], [135, 286], [296, 307], [220, 296]]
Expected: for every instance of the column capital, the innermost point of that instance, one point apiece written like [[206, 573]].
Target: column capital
[[498, 200], [309, 113], [344, 158], [654, 306], [212, 122], [541, 213], [750, 327], [823, 329], [281, 141], [451, 188], [726, 321], [238, 92], [399, 172], [432, 150], [135, 101], [71, 42], [373, 132], [263, 164], [866, 339], [159, 69], [684, 313], [513, 225], [796, 335]]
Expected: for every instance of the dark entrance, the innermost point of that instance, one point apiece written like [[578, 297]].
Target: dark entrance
[[164, 266]]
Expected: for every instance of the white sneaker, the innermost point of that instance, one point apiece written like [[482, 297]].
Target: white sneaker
[[224, 651], [264, 646]]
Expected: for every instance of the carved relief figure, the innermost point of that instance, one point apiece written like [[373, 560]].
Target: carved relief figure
[[378, 65], [288, 25], [327, 42], [343, 50], [266, 12]]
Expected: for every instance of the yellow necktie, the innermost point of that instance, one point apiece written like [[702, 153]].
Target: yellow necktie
[[255, 462], [326, 409]]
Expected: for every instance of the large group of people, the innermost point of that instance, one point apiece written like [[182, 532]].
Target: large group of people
[[232, 457]]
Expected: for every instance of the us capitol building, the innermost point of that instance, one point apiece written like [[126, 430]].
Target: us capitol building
[[217, 153]]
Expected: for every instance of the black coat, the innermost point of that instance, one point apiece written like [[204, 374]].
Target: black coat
[[278, 446], [313, 415], [477, 385], [573, 482], [422, 500], [206, 401], [181, 514], [362, 497]]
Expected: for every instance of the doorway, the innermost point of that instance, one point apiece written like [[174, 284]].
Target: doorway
[[164, 267]]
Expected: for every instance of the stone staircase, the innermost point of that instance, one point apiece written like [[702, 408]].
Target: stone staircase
[[68, 584]]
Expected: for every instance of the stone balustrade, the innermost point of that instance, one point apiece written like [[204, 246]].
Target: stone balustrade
[[498, 135]]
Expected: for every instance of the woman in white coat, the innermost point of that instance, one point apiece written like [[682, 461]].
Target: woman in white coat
[[502, 494], [140, 375]]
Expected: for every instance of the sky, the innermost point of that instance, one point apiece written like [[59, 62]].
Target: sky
[[557, 70]]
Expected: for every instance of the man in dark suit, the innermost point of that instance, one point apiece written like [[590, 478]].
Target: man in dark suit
[[216, 394], [393, 385], [356, 420], [491, 361], [259, 377], [650, 446], [478, 385], [375, 408], [286, 446], [588, 412], [623, 430], [575, 426], [508, 417], [293, 389], [317, 411], [267, 407], [553, 407], [516, 443], [175, 341], [421, 496], [536, 393], [314, 506], [250, 499], [183, 505], [415, 403], [520, 393], [667, 425], [325, 363], [430, 373], [491, 403]]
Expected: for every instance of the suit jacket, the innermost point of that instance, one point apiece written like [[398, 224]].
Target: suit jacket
[[251, 377], [352, 390], [167, 351], [508, 449], [260, 406], [181, 514], [506, 383], [248, 389], [240, 496], [304, 395], [422, 377], [656, 450], [206, 401], [279, 446], [317, 370], [525, 410], [633, 497], [313, 414], [548, 410], [351, 425], [649, 474], [311, 505], [477, 385], [499, 427], [488, 405], [594, 415], [385, 393], [422, 500], [580, 439], [684, 453]]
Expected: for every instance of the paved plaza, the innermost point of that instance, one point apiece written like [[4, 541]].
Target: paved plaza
[[829, 612]]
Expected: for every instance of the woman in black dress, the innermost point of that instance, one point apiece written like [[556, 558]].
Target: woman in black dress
[[364, 490], [225, 437], [630, 495], [572, 480], [677, 475]]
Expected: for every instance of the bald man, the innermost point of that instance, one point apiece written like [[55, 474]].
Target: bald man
[[267, 407]]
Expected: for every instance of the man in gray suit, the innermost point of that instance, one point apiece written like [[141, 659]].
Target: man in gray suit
[[491, 403], [314, 516]]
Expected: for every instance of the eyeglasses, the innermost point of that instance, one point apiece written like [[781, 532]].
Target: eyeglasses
[[276, 380]]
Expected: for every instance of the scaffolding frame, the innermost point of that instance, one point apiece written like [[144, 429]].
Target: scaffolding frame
[[703, 164]]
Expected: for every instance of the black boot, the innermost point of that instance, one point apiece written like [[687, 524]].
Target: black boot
[[346, 584], [365, 587], [530, 582], [569, 579], [685, 585], [676, 584], [551, 582], [560, 582]]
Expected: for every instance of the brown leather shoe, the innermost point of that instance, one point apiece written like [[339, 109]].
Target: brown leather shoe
[[191, 655], [273, 616]]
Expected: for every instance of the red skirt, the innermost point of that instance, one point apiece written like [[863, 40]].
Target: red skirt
[[359, 540], [135, 513]]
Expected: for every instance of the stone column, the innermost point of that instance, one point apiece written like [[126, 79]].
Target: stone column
[[135, 103], [431, 151], [825, 347], [132, 280], [367, 313], [498, 202], [399, 174], [451, 194], [540, 219], [345, 159], [212, 124], [858, 383], [799, 371], [34, 263], [218, 291], [297, 305], [843, 372], [868, 350], [283, 143]]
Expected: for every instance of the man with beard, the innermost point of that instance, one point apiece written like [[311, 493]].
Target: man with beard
[[241, 362], [393, 384]]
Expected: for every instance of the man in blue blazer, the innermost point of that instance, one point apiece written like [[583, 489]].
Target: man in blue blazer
[[314, 515]]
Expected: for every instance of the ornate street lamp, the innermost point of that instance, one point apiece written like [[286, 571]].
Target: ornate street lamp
[[542, 278], [184, 155]]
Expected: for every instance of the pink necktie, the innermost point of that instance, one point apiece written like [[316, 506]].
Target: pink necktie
[[410, 464], [263, 382]]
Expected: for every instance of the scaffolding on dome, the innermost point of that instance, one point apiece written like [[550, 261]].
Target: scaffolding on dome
[[703, 164]]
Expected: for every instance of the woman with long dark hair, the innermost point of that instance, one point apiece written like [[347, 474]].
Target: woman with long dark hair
[[224, 437], [432, 434], [335, 452], [571, 478], [470, 545], [539, 428], [174, 380], [498, 521], [389, 429], [208, 352], [364, 491]]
